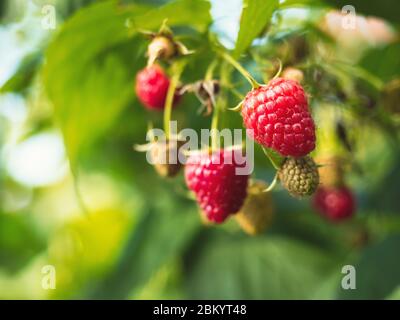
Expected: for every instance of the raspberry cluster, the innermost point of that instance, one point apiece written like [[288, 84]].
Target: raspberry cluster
[[277, 116]]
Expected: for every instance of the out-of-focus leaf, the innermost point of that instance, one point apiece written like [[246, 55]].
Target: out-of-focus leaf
[[23, 76], [256, 14], [90, 70], [84, 249], [299, 3], [18, 241], [377, 272], [64, 8], [195, 13], [383, 62], [2, 8], [227, 267], [88, 89], [157, 238], [395, 295], [11, 11], [164, 285]]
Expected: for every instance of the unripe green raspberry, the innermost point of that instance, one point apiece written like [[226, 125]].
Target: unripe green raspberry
[[299, 176]]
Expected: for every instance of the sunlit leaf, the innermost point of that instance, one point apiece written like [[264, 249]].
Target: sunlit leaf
[[15, 233], [384, 8], [157, 238], [255, 17], [24, 74], [90, 70], [377, 272], [194, 13], [84, 249], [383, 62]]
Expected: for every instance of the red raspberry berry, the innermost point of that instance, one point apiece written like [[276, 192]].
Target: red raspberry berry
[[335, 204], [279, 115], [152, 86], [219, 190]]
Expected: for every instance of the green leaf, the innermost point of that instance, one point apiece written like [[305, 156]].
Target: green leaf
[[395, 295], [194, 13], [88, 108], [24, 74], [228, 267], [383, 62], [85, 249], [385, 9], [256, 14], [300, 3], [90, 70], [377, 272], [88, 89], [19, 242], [64, 8], [156, 240]]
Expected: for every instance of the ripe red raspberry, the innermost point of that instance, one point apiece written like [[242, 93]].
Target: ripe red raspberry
[[219, 190], [335, 204], [152, 86], [279, 115]]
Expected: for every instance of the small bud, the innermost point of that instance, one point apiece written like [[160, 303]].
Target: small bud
[[293, 74], [161, 47]]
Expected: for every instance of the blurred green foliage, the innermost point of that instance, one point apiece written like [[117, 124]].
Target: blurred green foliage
[[114, 229]]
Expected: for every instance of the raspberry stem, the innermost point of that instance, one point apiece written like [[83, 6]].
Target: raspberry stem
[[215, 117], [273, 183], [177, 71], [277, 74], [242, 70], [78, 193], [210, 70], [271, 158], [220, 105]]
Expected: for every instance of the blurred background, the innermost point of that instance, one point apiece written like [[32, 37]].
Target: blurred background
[[75, 195]]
